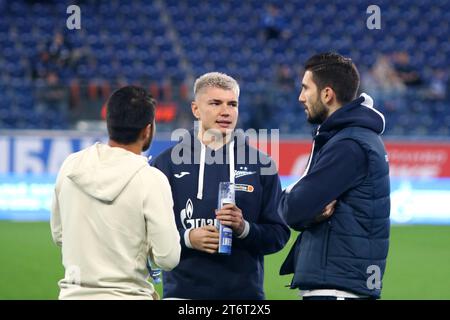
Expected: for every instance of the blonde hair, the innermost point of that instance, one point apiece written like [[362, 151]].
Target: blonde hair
[[216, 80]]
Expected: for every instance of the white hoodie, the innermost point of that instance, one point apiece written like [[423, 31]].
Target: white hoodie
[[110, 211]]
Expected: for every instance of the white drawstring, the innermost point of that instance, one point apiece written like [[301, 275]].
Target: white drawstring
[[232, 161], [201, 172]]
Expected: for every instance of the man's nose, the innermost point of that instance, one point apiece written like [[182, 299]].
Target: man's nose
[[225, 110], [301, 97]]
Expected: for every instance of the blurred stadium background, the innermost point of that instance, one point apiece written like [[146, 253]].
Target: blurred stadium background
[[54, 83]]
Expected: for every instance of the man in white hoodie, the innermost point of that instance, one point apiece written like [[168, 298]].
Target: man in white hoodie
[[111, 210]]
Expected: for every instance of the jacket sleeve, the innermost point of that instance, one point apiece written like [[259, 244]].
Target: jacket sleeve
[[162, 234], [55, 220], [270, 233], [55, 214], [338, 168]]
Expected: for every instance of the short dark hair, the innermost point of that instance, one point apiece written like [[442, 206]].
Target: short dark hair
[[129, 110], [332, 70]]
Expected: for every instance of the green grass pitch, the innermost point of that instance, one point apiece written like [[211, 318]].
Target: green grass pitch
[[418, 264]]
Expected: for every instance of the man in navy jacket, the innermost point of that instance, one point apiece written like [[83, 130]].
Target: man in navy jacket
[[213, 153], [340, 254]]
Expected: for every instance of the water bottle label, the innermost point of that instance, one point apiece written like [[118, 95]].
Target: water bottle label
[[225, 238], [155, 272], [225, 196]]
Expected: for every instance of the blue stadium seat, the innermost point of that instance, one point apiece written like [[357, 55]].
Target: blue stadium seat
[[224, 36]]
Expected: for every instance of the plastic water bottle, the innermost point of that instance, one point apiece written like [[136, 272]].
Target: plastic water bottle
[[155, 273], [226, 195]]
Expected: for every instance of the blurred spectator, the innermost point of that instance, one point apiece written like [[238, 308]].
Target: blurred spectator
[[386, 77], [59, 50], [63, 53], [52, 96], [274, 23], [405, 71], [41, 66], [438, 86], [260, 113], [285, 79], [369, 82], [384, 85], [58, 55]]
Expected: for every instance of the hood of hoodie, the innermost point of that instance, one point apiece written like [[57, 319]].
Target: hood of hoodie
[[103, 172], [358, 113]]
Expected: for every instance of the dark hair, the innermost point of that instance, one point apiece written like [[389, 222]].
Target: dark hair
[[129, 110], [335, 71]]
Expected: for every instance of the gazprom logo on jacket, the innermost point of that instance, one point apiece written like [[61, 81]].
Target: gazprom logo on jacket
[[186, 213], [190, 223]]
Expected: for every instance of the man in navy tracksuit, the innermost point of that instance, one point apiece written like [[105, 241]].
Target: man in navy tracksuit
[[340, 254], [213, 153]]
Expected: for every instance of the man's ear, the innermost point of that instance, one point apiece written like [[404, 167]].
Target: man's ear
[[147, 131], [152, 128], [327, 95], [195, 111]]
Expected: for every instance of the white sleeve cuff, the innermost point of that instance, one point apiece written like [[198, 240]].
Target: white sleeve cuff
[[186, 239], [246, 230]]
